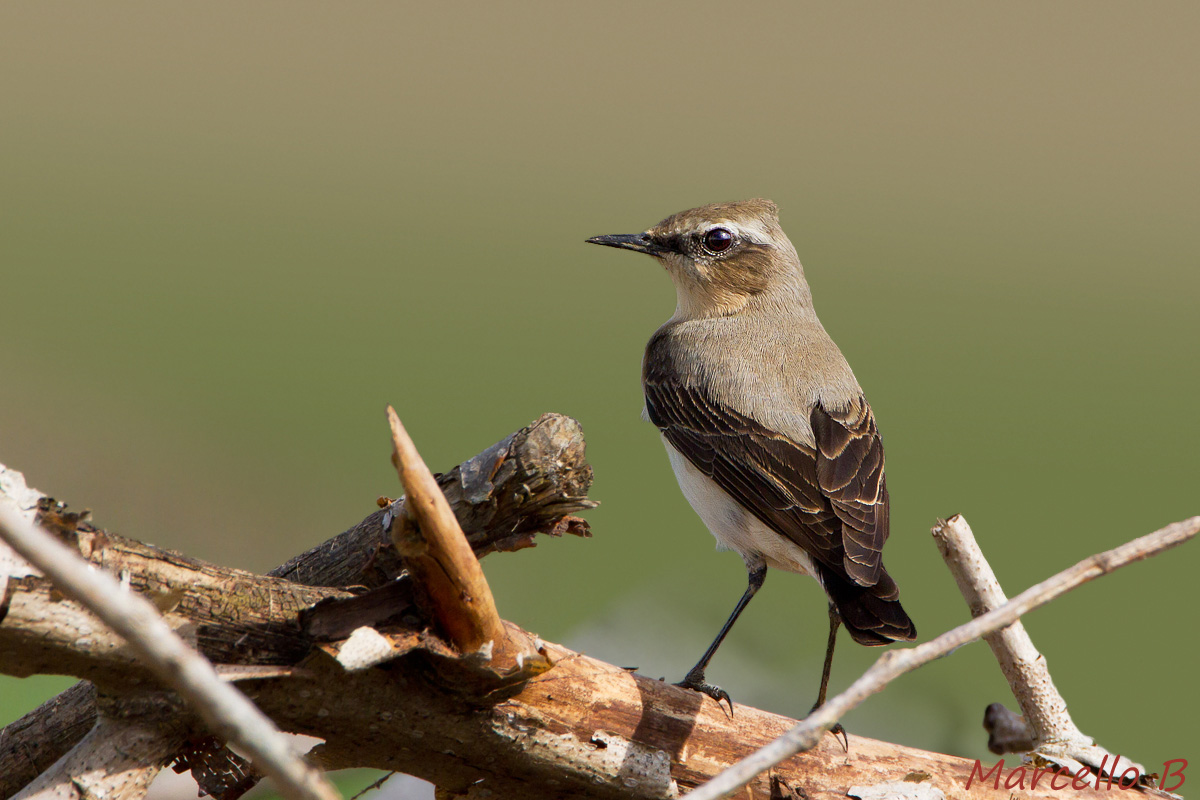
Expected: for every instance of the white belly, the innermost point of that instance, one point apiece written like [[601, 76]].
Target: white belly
[[734, 527]]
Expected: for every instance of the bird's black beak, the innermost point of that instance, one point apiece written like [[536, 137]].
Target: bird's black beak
[[637, 242]]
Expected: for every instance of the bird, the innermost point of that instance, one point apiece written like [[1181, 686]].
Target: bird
[[765, 426]]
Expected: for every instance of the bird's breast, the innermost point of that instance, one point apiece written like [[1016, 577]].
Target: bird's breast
[[732, 525]]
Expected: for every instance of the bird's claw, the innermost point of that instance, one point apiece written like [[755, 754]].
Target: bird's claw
[[838, 730], [697, 683]]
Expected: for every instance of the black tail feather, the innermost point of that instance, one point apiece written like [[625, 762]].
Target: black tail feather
[[872, 614]]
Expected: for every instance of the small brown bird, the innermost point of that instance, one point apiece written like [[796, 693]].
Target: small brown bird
[[768, 432]]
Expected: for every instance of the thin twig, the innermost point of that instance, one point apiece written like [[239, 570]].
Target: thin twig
[[374, 785], [895, 663], [223, 707]]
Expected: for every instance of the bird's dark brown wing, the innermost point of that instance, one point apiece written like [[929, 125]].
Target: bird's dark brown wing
[[850, 473], [830, 499]]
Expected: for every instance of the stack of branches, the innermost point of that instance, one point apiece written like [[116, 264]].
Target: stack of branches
[[385, 644]]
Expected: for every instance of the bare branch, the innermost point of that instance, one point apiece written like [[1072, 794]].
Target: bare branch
[[531, 482], [438, 556], [447, 573], [31, 744], [583, 729], [895, 663], [1055, 736], [528, 483], [222, 706], [119, 757]]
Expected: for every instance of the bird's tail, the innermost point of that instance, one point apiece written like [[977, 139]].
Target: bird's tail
[[872, 614]]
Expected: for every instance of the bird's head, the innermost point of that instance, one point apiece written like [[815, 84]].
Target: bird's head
[[720, 256]]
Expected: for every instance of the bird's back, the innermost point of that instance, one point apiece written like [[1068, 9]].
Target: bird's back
[[749, 404], [773, 363]]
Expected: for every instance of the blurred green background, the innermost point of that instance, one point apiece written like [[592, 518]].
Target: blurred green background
[[231, 233]]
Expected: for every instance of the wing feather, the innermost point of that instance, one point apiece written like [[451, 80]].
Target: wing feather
[[830, 499]]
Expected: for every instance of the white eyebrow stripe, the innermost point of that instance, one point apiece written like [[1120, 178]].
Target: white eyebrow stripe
[[754, 232]]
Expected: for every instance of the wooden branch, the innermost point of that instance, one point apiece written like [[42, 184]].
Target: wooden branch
[[226, 710], [895, 663], [447, 574], [119, 757], [437, 555], [1055, 736], [31, 744], [529, 483], [583, 729]]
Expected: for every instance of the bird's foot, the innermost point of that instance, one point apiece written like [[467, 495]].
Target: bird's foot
[[837, 730], [695, 681]]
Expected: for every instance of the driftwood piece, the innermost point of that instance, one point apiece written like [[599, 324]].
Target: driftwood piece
[[532, 482]]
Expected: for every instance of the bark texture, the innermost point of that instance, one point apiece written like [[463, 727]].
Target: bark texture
[[362, 666], [532, 482]]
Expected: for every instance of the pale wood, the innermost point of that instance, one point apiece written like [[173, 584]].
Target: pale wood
[[1055, 735], [119, 757], [437, 555], [528, 484], [895, 663], [224, 709]]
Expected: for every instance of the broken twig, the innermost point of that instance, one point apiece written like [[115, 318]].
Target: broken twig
[[1055, 736], [895, 663], [438, 556]]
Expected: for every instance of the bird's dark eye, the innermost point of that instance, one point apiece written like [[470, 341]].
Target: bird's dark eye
[[717, 240]]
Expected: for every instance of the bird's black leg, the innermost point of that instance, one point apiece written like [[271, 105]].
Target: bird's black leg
[[834, 622], [695, 677]]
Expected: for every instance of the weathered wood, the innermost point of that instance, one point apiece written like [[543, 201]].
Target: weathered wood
[[446, 574], [532, 482], [29, 745], [134, 737], [584, 729], [153, 640], [209, 600]]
